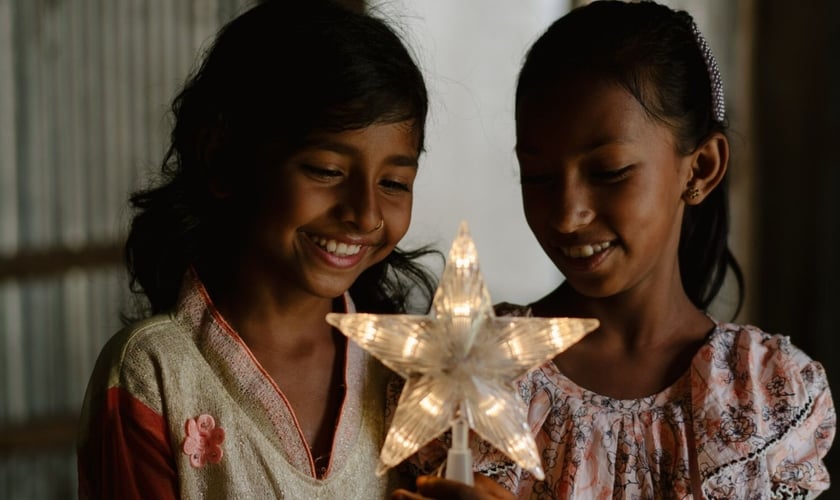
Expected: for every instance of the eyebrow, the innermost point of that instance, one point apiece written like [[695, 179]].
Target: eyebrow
[[343, 149]]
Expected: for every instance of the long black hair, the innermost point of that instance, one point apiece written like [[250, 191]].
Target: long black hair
[[285, 68], [651, 51]]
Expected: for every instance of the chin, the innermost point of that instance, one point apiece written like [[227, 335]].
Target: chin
[[331, 292], [592, 289]]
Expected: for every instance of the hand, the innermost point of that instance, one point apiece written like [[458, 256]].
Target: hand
[[438, 488]]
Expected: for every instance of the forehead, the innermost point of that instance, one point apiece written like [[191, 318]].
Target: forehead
[[402, 135], [581, 115]]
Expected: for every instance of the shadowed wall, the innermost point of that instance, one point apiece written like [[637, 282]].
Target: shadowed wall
[[797, 125]]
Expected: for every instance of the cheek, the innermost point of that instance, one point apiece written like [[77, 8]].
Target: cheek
[[397, 218], [289, 209], [280, 199], [652, 216], [654, 207]]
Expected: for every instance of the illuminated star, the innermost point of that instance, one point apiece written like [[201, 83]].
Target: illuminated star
[[461, 361]]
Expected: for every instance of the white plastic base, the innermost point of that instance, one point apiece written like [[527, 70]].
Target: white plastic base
[[459, 466]]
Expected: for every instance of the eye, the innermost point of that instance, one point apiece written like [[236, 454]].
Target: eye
[[322, 173], [609, 176], [395, 186]]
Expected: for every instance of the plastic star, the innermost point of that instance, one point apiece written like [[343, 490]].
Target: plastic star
[[461, 361]]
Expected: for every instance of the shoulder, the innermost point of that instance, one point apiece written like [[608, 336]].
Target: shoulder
[[745, 355], [152, 337], [761, 407], [133, 358], [745, 366]]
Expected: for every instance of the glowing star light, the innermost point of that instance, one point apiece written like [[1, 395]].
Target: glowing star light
[[460, 363]]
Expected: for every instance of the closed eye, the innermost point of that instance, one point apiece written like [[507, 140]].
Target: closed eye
[[392, 185], [610, 176], [321, 172]]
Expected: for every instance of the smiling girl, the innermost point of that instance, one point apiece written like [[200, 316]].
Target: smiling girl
[[623, 154], [288, 182]]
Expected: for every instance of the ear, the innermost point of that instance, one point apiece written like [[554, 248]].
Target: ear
[[708, 166], [208, 146]]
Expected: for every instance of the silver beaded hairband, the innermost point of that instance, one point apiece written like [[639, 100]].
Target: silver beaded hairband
[[714, 74]]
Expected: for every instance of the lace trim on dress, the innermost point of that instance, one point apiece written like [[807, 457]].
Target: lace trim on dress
[[496, 469], [786, 492], [781, 490]]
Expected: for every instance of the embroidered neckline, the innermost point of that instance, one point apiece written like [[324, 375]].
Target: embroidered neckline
[[197, 313]]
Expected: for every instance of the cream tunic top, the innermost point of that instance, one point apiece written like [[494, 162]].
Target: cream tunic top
[[179, 401]]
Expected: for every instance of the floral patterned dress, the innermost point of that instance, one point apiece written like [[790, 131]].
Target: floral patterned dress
[[754, 411]]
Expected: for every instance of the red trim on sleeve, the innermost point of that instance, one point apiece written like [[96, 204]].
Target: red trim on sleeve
[[127, 454]]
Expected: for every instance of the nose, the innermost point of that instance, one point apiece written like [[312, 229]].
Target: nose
[[360, 208], [572, 209]]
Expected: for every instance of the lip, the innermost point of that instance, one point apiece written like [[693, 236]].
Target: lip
[[582, 264], [338, 261]]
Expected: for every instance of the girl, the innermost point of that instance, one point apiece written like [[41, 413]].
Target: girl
[[621, 141], [288, 181]]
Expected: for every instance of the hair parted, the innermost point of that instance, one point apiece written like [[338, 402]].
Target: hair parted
[[652, 52], [281, 70]]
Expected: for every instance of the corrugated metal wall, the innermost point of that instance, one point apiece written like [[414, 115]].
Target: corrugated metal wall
[[84, 92]]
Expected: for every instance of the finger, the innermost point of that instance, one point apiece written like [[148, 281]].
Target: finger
[[406, 495], [491, 489], [445, 489]]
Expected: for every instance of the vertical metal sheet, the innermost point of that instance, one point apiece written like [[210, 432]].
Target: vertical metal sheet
[[85, 89]]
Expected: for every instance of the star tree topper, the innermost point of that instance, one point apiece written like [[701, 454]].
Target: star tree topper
[[460, 362]]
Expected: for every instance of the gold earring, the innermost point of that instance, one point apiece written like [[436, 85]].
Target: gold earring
[[692, 193]]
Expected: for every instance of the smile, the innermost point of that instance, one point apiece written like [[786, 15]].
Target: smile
[[335, 247], [584, 251]]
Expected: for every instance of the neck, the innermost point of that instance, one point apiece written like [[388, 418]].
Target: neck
[[273, 318], [641, 347], [635, 320]]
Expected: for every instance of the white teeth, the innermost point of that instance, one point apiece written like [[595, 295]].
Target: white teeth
[[335, 247], [583, 251]]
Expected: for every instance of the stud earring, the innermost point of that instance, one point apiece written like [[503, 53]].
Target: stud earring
[[692, 193]]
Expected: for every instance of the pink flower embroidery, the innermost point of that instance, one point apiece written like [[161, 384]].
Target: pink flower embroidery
[[203, 440]]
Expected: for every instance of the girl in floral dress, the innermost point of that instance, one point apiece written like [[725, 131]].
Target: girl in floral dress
[[622, 147]]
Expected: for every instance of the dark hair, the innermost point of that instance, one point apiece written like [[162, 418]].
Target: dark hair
[[651, 51], [283, 69]]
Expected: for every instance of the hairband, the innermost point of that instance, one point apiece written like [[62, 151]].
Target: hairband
[[718, 108]]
